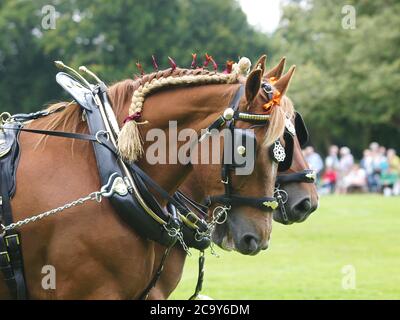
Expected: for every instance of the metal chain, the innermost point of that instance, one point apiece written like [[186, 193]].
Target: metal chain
[[212, 250], [94, 196], [218, 212], [183, 244], [173, 232], [113, 185]]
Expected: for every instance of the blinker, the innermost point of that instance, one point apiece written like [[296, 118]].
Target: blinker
[[301, 130]]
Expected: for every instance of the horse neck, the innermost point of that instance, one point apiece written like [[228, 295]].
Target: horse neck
[[194, 185], [193, 108]]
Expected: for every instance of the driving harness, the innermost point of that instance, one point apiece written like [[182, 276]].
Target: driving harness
[[242, 139], [130, 194], [283, 156], [300, 131], [237, 143], [305, 176]]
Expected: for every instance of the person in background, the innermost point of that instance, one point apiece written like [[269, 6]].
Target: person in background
[[393, 160], [390, 177], [314, 160], [374, 147], [355, 180], [329, 179], [345, 165], [382, 159], [367, 164], [375, 175], [332, 160]]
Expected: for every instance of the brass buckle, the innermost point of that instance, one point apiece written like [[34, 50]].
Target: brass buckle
[[10, 236], [5, 253], [192, 218]]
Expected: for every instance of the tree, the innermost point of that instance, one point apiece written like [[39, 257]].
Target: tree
[[110, 37], [346, 78]]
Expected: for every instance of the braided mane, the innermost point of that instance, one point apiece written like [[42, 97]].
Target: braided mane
[[147, 84], [130, 144]]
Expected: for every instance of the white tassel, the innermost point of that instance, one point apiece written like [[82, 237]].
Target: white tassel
[[130, 144]]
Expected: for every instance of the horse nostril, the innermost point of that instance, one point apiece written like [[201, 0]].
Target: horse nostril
[[249, 244], [303, 207]]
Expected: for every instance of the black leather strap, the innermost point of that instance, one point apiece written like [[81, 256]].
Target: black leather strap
[[238, 200], [164, 194], [61, 134], [11, 245], [200, 277], [157, 275], [295, 177], [6, 268], [14, 249], [200, 209]]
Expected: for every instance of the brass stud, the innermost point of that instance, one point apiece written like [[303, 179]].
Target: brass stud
[[241, 150]]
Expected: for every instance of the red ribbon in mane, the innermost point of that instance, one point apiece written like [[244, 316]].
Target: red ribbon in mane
[[133, 117]]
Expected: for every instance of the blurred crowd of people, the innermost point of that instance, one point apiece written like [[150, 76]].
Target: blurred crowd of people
[[378, 171]]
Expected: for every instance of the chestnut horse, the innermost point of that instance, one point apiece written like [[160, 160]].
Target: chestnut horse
[[95, 254], [194, 186]]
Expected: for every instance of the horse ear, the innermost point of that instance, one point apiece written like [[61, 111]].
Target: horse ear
[[276, 72], [253, 84], [260, 64], [283, 83]]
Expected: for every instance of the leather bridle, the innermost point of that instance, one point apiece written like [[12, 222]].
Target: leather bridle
[[299, 130], [229, 198]]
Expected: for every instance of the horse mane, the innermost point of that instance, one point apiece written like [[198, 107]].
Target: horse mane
[[136, 90], [279, 114], [122, 91], [130, 145]]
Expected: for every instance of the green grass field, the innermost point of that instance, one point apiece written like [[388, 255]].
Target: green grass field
[[305, 261]]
